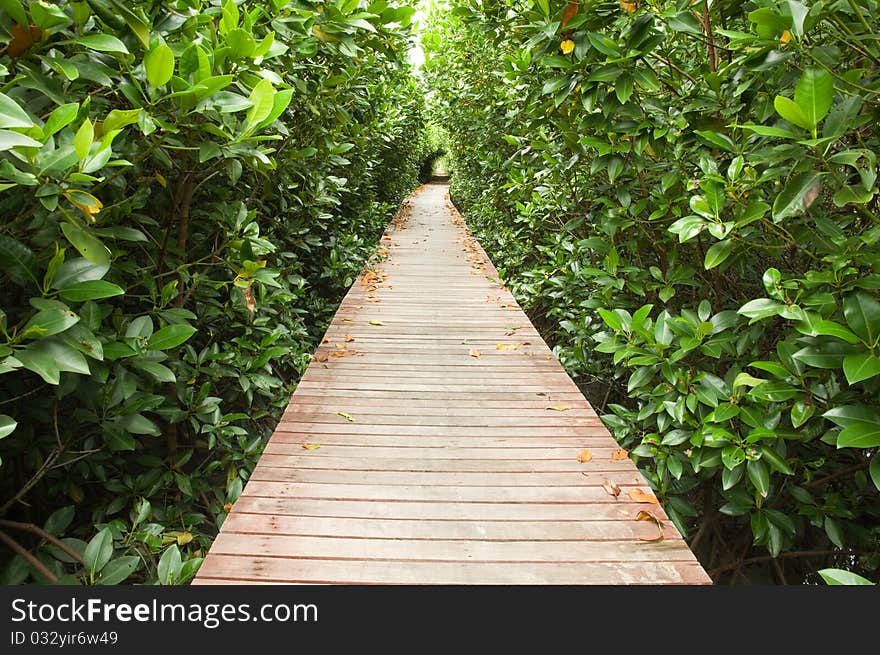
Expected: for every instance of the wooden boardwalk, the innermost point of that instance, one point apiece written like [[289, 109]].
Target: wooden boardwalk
[[435, 439]]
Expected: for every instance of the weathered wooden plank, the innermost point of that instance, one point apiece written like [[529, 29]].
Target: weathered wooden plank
[[268, 569], [268, 473], [622, 510], [357, 528], [367, 549]]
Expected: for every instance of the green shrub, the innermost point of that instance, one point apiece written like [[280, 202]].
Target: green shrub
[[689, 192], [189, 188]]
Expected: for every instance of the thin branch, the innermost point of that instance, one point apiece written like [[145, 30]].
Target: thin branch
[[28, 557], [35, 529]]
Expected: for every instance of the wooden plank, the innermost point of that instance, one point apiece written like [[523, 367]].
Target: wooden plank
[[303, 459], [268, 473], [428, 465], [622, 510], [438, 550], [247, 570], [358, 528]]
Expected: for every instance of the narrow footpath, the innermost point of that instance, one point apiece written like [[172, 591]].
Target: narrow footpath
[[435, 439]]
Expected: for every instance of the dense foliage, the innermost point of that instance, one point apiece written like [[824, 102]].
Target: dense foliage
[[684, 195], [188, 188]]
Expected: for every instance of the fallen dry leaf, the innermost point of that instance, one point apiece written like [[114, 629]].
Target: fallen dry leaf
[[343, 353], [473, 352], [348, 320], [311, 446], [376, 323], [585, 456], [647, 516], [508, 346], [325, 340], [559, 408], [611, 488], [619, 455], [348, 338], [320, 358], [348, 417], [640, 496]]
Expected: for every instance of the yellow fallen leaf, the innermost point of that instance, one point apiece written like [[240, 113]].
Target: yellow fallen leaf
[[611, 488], [629, 6], [473, 352], [785, 37], [348, 338], [559, 408], [376, 323], [227, 507], [585, 456], [346, 416], [311, 446], [647, 516], [320, 358], [566, 46], [619, 455], [640, 496], [183, 538], [508, 346]]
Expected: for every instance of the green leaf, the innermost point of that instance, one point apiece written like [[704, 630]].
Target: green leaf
[[835, 534], [82, 142], [61, 117], [813, 94], [102, 43], [77, 270], [118, 118], [792, 112], [140, 29], [140, 424], [859, 435], [118, 570], [87, 245], [170, 336], [841, 577], [12, 115], [159, 65], [860, 366], [99, 551], [66, 358], [90, 290], [717, 253], [874, 470], [10, 140], [797, 195], [7, 425], [760, 308], [40, 363], [759, 476], [160, 372], [47, 322], [15, 9], [169, 565], [775, 461], [59, 520], [17, 261], [262, 98], [862, 314]]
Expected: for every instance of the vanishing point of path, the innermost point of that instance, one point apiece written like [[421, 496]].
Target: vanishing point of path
[[435, 439]]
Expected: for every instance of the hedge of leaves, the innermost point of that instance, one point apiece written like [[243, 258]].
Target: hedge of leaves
[[188, 188], [684, 195]]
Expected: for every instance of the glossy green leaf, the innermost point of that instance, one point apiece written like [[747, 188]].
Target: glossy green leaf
[[170, 336], [159, 65], [98, 552], [11, 114]]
